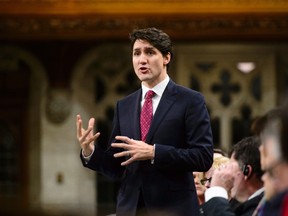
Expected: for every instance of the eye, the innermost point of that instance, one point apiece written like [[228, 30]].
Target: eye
[[150, 53], [136, 53]]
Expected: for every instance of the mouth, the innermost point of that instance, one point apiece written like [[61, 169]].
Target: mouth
[[143, 69]]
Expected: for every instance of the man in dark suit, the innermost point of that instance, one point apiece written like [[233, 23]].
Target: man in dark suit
[[236, 187], [155, 168]]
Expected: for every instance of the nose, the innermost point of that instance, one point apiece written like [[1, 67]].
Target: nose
[[142, 59]]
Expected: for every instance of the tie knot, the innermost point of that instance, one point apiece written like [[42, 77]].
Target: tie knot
[[150, 94]]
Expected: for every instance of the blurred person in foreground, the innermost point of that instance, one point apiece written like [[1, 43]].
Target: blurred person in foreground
[[154, 156], [273, 131], [241, 177]]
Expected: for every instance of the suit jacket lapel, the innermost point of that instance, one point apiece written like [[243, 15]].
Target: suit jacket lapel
[[135, 126], [167, 99]]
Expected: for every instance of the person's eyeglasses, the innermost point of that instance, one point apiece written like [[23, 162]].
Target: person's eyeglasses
[[203, 181]]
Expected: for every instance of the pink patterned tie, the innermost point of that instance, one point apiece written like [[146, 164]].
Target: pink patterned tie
[[146, 114]]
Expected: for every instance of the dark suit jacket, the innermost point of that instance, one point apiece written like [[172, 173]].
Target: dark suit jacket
[[219, 206], [275, 206], [181, 131]]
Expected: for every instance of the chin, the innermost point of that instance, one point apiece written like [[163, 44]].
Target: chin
[[143, 77]]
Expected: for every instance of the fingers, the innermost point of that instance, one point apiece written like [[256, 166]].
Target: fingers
[[130, 157], [226, 166], [135, 149], [128, 154], [88, 139], [223, 176], [85, 137], [126, 142], [124, 139], [127, 162], [91, 123], [79, 126], [123, 154], [126, 146], [121, 145], [80, 129]]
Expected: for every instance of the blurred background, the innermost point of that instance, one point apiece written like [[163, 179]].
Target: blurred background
[[59, 58]]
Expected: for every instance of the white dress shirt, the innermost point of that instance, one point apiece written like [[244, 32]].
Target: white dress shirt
[[158, 89], [217, 191]]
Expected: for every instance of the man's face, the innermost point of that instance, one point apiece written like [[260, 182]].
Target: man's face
[[149, 63], [269, 151], [238, 179]]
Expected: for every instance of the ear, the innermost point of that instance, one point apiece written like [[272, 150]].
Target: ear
[[248, 171], [167, 58], [245, 170]]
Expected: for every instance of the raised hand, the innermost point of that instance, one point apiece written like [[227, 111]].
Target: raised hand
[[224, 176], [86, 138], [135, 149]]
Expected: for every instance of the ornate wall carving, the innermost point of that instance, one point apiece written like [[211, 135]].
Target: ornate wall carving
[[198, 19], [234, 98], [185, 27]]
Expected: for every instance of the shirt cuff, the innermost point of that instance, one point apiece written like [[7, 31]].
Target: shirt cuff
[[87, 158], [152, 160], [215, 191]]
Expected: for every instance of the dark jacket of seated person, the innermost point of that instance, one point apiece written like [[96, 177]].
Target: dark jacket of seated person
[[239, 179]]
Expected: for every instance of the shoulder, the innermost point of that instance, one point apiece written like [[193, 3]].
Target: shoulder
[[188, 95], [185, 91]]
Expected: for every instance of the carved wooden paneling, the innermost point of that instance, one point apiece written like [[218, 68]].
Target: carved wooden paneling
[[185, 27], [198, 19], [142, 7]]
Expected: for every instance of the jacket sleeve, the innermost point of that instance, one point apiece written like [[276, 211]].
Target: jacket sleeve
[[216, 206], [103, 160]]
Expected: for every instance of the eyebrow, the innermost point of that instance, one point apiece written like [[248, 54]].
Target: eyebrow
[[145, 48]]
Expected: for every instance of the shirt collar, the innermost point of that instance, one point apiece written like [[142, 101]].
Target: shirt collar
[[158, 89], [256, 193]]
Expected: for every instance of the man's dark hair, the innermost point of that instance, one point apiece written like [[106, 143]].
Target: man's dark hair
[[154, 36], [246, 152]]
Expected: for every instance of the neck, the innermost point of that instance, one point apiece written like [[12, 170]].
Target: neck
[[201, 199], [155, 82], [281, 174], [251, 186]]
